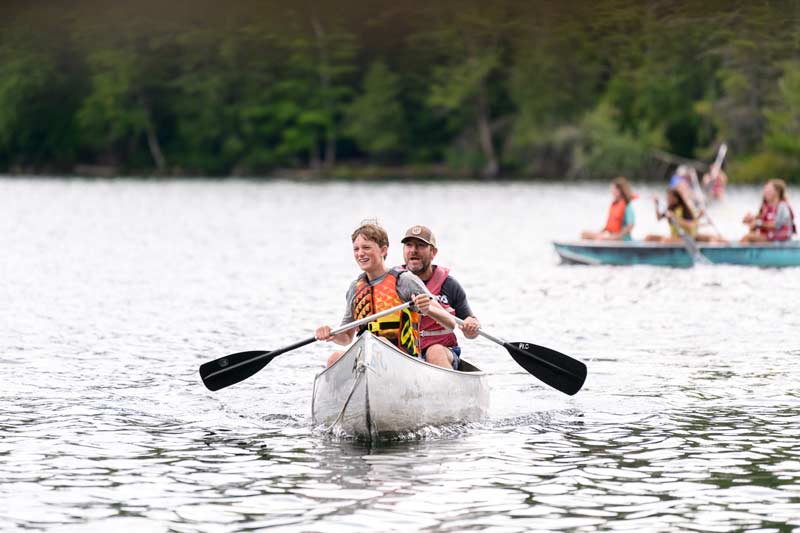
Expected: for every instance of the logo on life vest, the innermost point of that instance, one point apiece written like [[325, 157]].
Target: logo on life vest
[[406, 337]]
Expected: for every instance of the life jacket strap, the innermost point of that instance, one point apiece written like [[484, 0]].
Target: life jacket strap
[[435, 332], [375, 327]]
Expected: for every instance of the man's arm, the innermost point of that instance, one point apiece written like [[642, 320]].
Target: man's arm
[[427, 305], [410, 287], [457, 299]]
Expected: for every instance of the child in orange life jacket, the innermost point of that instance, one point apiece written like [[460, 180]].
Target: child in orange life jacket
[[439, 344], [620, 215], [378, 289], [775, 220]]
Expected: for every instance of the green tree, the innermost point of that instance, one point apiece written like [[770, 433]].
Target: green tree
[[556, 76], [37, 102], [469, 44], [375, 119], [117, 114], [316, 85], [754, 40], [603, 151], [218, 99], [783, 119]]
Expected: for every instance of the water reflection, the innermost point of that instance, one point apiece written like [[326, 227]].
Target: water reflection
[[688, 420]]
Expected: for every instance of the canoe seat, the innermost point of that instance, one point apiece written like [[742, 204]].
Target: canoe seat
[[467, 367]]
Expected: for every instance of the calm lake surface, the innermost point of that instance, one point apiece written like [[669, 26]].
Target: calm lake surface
[[113, 293]]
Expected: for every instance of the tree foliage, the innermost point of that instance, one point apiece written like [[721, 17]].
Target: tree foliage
[[549, 89], [375, 119]]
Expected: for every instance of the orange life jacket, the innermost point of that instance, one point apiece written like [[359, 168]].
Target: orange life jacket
[[400, 327], [616, 216]]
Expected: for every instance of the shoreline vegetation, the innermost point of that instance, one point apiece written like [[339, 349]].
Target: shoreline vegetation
[[343, 173], [350, 171], [371, 90]]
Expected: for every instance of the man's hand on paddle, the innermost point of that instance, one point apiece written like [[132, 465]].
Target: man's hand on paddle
[[470, 327]]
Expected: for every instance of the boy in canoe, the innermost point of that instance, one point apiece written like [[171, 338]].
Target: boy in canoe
[[379, 288], [439, 344]]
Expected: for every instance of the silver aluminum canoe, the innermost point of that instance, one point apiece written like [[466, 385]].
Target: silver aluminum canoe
[[375, 391]]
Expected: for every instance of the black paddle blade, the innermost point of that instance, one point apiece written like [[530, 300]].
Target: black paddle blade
[[226, 371], [553, 368]]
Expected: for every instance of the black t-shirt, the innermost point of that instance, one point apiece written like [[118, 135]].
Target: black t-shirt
[[453, 294]]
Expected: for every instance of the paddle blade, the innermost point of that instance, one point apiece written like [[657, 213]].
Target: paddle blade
[[553, 368], [231, 369]]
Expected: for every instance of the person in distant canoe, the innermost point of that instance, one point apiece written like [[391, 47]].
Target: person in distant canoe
[[685, 180], [621, 218], [715, 181], [379, 288], [775, 219], [439, 345], [683, 174], [678, 212]]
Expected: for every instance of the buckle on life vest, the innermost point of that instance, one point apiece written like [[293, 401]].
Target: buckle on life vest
[[375, 327]]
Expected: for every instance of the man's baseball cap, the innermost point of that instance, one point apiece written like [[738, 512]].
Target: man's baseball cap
[[421, 233]]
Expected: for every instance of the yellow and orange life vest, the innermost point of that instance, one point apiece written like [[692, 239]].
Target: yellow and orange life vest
[[400, 327]]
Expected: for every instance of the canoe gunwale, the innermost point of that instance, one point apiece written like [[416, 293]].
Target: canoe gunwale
[[623, 253], [772, 245], [416, 360]]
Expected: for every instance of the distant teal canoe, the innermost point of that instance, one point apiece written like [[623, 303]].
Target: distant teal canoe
[[777, 255]]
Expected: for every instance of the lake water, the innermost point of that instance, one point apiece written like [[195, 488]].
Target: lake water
[[113, 293]]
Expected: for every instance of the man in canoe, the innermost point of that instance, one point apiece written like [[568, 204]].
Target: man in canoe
[[379, 288], [439, 344]]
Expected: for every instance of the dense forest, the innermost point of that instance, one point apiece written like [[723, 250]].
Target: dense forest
[[568, 89]]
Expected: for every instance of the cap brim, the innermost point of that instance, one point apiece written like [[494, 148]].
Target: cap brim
[[409, 237]]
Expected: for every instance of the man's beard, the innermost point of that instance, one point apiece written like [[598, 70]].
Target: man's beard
[[423, 267]]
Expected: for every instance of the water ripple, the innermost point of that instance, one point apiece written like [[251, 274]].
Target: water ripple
[[117, 291]]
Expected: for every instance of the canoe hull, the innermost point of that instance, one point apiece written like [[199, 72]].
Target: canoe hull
[[376, 391], [775, 255]]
